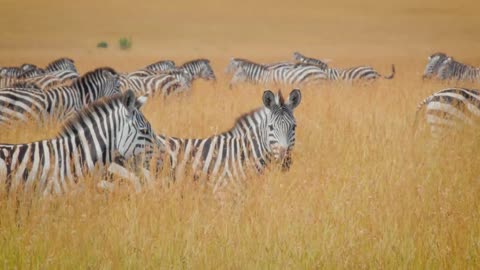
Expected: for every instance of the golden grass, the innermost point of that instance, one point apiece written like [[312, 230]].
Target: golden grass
[[363, 191]]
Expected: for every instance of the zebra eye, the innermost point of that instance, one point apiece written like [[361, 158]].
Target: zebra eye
[[294, 127], [270, 127]]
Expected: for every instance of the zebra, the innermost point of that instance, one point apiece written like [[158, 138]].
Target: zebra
[[244, 70], [307, 60], [258, 140], [356, 74], [199, 68], [92, 139], [27, 101], [450, 108], [152, 69], [435, 61], [294, 74], [61, 64], [451, 69], [163, 65], [165, 83]]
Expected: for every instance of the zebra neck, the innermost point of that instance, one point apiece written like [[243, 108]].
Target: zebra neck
[[63, 100]]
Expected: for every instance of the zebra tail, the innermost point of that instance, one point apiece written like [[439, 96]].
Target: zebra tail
[[391, 75]]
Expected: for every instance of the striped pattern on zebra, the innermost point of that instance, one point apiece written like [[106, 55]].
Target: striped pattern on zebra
[[259, 139], [162, 65], [453, 70], [164, 84], [91, 139], [450, 108], [435, 61], [28, 102], [245, 71], [356, 73], [310, 61], [61, 72], [153, 69], [199, 68]]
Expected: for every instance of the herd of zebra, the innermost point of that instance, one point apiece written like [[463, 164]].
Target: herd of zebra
[[103, 127]]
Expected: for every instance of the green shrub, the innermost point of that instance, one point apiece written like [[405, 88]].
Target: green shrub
[[102, 44], [125, 43]]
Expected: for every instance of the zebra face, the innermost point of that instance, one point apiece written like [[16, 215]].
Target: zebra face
[[136, 137], [281, 124], [435, 61], [445, 69], [206, 72], [232, 66]]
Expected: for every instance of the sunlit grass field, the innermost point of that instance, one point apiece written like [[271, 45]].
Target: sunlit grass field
[[367, 189]]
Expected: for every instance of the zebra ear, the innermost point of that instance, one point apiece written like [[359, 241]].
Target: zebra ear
[[129, 100], [141, 100], [294, 98], [268, 99]]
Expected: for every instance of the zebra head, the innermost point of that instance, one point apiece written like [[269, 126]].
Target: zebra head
[[102, 82], [200, 69], [233, 66], [134, 136], [445, 71], [281, 124], [435, 61]]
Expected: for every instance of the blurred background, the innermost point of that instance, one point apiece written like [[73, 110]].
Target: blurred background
[[346, 30]]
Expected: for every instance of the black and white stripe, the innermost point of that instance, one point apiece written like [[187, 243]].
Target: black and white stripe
[[449, 109], [435, 61], [199, 68], [29, 102], [258, 139], [298, 57], [356, 74], [165, 83], [453, 70], [92, 139]]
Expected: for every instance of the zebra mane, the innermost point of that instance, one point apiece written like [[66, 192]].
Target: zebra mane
[[238, 120], [87, 76], [160, 62], [71, 125]]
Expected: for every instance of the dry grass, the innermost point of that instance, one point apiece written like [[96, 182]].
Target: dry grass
[[363, 192]]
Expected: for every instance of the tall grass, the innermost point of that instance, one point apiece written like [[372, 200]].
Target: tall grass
[[364, 192]]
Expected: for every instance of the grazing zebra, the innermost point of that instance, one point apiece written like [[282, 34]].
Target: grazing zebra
[[310, 61], [259, 139], [356, 73], [92, 139], [435, 61], [199, 68], [450, 108], [28, 102], [453, 70], [165, 83]]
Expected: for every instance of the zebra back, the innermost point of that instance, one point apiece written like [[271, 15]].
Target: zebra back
[[452, 69], [307, 60], [61, 64], [162, 65]]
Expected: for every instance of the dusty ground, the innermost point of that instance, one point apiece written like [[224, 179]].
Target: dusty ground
[[362, 193]]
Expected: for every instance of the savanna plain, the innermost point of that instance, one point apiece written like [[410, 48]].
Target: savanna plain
[[367, 188]]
